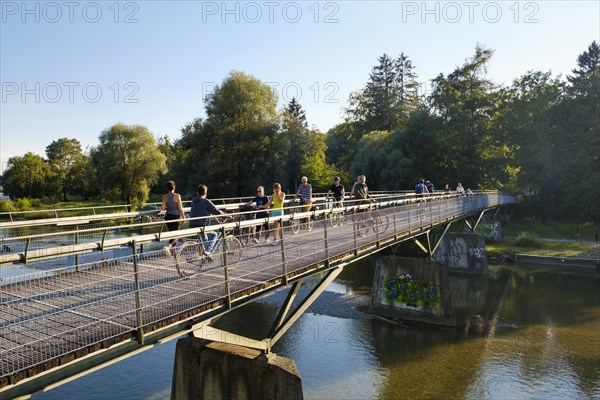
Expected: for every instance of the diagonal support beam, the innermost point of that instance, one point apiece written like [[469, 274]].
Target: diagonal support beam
[[303, 306], [496, 213], [418, 243], [478, 219], [468, 224], [285, 308], [203, 330], [440, 239]]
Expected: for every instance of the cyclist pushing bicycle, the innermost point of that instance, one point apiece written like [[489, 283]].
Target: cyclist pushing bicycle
[[202, 207], [372, 218]]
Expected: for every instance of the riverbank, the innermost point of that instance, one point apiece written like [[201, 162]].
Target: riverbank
[[541, 247]]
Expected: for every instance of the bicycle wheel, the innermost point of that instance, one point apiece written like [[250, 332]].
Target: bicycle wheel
[[309, 225], [188, 260], [380, 221], [295, 225], [362, 224], [232, 250]]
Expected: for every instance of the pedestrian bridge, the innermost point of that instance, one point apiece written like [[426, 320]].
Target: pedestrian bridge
[[76, 300]]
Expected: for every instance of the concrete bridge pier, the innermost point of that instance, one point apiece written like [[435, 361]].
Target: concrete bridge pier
[[206, 370], [462, 252], [414, 289]]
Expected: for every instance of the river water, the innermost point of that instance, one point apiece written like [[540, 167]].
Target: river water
[[523, 333]]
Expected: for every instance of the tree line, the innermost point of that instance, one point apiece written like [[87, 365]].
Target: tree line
[[539, 136]]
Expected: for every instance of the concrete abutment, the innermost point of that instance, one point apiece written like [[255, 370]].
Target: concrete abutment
[[206, 370]]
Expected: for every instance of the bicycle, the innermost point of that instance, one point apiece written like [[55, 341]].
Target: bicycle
[[372, 219], [337, 217], [191, 257], [247, 233], [296, 223]]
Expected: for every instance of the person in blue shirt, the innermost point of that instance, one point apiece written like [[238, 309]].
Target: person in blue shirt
[[420, 190], [261, 202], [202, 207]]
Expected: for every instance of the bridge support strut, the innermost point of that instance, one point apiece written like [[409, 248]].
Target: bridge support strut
[[283, 322]]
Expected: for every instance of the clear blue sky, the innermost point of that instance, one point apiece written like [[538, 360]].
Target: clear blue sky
[[73, 69]]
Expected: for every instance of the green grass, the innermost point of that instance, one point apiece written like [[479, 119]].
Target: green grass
[[550, 238], [556, 249], [550, 229]]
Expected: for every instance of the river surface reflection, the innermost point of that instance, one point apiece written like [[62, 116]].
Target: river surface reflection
[[521, 334]]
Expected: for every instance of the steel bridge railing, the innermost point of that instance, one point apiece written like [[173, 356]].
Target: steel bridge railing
[[87, 296]]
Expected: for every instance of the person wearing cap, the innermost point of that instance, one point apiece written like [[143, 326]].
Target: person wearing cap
[[337, 190], [430, 187], [360, 190], [304, 192]]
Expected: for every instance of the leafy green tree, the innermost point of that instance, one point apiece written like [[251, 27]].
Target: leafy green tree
[[127, 162], [192, 162], [314, 164], [464, 101], [238, 134], [579, 123], [66, 160], [26, 176], [371, 158], [525, 119]]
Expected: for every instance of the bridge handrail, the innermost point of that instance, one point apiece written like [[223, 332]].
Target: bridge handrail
[[92, 215], [291, 214], [228, 204]]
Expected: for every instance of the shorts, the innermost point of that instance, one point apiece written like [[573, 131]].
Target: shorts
[[277, 214], [305, 205], [172, 226]]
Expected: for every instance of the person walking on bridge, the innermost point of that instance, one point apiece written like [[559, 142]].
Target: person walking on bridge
[[261, 201], [304, 192], [430, 187], [171, 205], [421, 190], [277, 201]]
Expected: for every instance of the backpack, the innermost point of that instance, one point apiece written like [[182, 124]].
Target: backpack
[[430, 187], [419, 188]]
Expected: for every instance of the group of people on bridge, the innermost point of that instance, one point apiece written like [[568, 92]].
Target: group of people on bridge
[[426, 188], [263, 204], [273, 204]]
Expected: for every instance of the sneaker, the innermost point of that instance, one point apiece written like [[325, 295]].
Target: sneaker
[[255, 240], [275, 242], [267, 240], [167, 250]]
